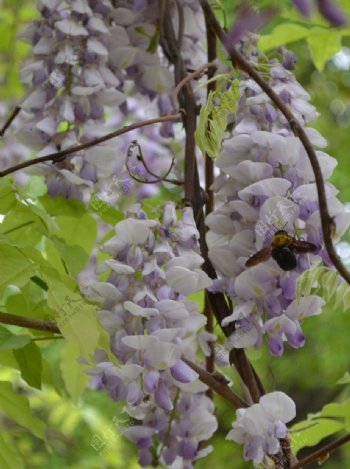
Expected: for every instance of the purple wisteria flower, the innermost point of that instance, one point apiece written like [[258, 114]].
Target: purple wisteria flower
[[88, 57], [260, 426], [267, 184], [12, 151], [328, 9], [155, 265]]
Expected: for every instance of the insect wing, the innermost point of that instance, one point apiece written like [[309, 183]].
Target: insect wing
[[300, 246], [261, 256]]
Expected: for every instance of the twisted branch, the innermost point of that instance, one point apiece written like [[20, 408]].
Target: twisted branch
[[140, 157]]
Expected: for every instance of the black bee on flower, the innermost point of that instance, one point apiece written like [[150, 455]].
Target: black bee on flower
[[283, 250]]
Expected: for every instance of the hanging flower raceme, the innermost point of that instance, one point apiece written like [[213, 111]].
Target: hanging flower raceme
[[153, 328], [87, 58], [260, 427], [267, 185]]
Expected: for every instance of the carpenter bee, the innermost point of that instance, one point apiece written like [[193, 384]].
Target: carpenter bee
[[282, 249]]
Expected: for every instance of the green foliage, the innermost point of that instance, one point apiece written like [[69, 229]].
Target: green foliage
[[9, 457], [213, 116], [17, 408], [313, 430], [30, 364], [328, 283], [334, 417], [282, 34], [106, 212], [10, 341], [73, 373], [44, 244], [345, 379], [323, 43], [13, 16]]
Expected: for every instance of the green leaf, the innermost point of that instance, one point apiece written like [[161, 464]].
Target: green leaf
[[61, 206], [345, 379], [198, 298], [106, 212], [75, 379], [7, 359], [80, 231], [308, 280], [75, 257], [329, 283], [325, 281], [39, 283], [204, 84], [7, 196], [281, 35], [153, 44], [26, 224], [17, 304], [16, 407], [48, 376], [9, 454], [213, 119], [30, 364], [342, 298], [16, 268], [76, 318], [47, 269], [323, 44], [9, 341], [337, 410], [54, 257], [311, 432], [36, 187]]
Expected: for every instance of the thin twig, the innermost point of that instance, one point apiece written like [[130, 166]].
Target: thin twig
[[196, 74], [220, 387], [49, 337], [322, 453], [30, 323], [68, 151], [10, 119], [238, 59], [140, 157]]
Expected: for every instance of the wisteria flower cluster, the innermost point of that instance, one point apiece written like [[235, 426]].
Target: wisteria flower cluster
[[88, 58], [260, 427], [267, 184], [153, 328]]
